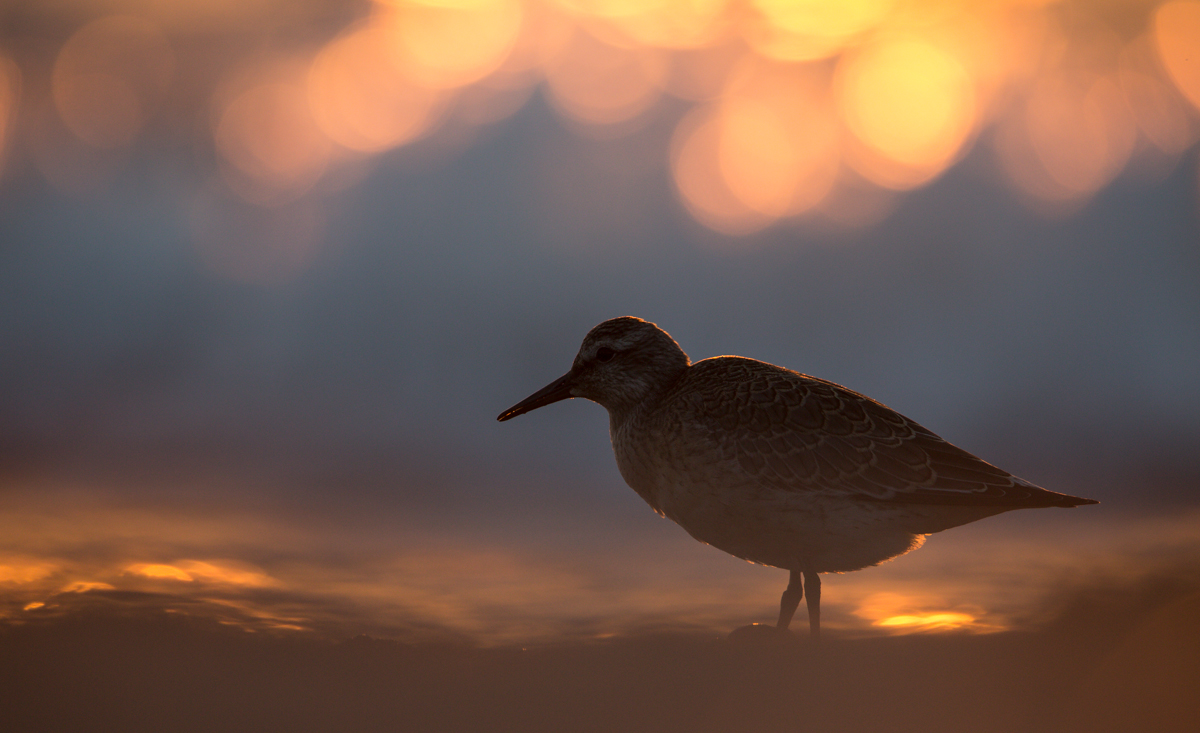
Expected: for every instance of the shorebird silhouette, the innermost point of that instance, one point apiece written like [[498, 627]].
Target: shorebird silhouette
[[777, 467]]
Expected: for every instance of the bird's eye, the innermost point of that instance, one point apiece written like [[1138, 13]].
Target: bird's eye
[[605, 354]]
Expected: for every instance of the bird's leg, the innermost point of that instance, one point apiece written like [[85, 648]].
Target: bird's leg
[[790, 600], [812, 582]]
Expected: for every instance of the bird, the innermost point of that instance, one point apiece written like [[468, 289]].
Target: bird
[[777, 467]]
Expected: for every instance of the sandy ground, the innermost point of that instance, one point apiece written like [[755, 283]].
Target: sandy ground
[[1115, 659]]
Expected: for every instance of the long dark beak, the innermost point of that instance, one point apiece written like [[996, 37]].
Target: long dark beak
[[559, 389]]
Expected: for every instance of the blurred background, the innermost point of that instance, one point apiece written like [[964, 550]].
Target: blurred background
[[269, 270]]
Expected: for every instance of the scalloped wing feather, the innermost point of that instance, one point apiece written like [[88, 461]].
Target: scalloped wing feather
[[791, 432]]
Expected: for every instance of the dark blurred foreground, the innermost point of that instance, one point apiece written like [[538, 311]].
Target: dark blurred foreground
[[1116, 659]]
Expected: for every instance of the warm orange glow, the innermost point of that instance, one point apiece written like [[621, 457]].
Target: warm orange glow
[[1162, 116], [107, 78], [1098, 122], [778, 151], [153, 570], [911, 105], [1075, 135], [10, 96], [272, 620], [700, 75], [929, 621], [1177, 31], [450, 44], [1001, 48], [757, 156], [802, 30], [361, 100], [799, 106], [231, 573], [25, 570], [903, 614], [697, 173], [354, 574], [772, 134], [269, 138], [674, 24], [598, 83], [85, 586], [33, 606], [195, 16]]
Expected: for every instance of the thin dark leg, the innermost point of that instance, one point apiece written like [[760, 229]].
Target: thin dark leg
[[812, 583], [790, 600]]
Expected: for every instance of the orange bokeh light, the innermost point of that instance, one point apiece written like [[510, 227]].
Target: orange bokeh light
[[1074, 135], [10, 96], [159, 570], [595, 82], [108, 76], [361, 100], [25, 570], [1162, 115], [929, 621], [778, 151], [86, 586], [273, 146], [904, 614], [191, 571], [499, 583], [701, 184], [449, 44], [804, 30], [227, 572], [1177, 31], [800, 105], [911, 105], [672, 24]]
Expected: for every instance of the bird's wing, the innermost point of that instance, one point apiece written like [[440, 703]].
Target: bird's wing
[[792, 432]]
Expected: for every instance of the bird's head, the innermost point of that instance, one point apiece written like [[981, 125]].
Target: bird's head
[[622, 362]]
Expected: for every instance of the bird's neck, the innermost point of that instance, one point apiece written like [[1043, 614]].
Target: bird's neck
[[643, 399]]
